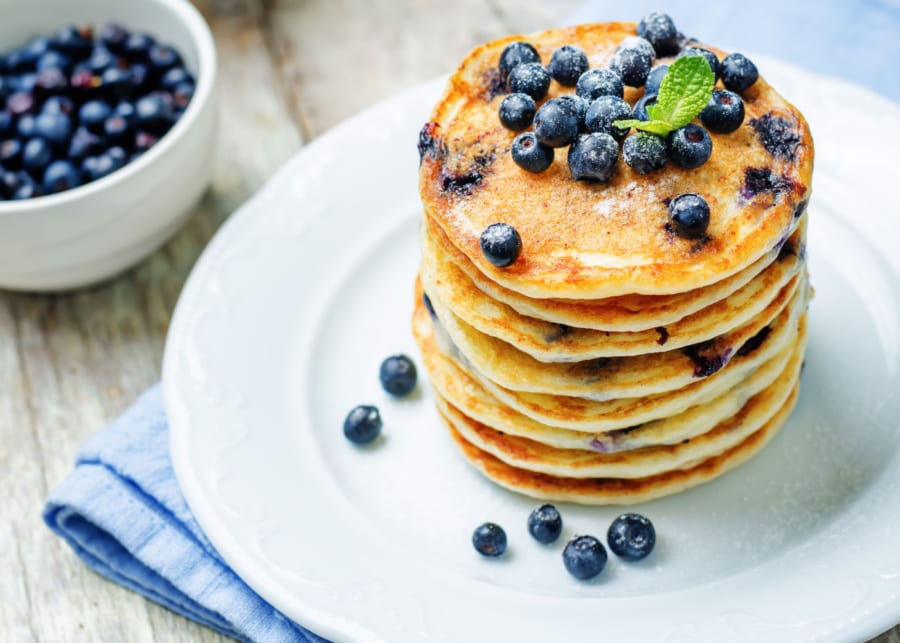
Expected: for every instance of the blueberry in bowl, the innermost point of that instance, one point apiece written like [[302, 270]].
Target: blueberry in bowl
[[89, 185]]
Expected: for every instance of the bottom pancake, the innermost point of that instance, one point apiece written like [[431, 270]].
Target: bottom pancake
[[620, 491]]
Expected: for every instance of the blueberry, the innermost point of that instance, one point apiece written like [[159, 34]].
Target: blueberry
[[56, 129], [126, 111], [60, 176], [83, 145], [174, 77], [117, 130], [6, 124], [529, 78], [631, 536], [140, 77], [593, 157], [398, 375], [501, 244], [83, 84], [113, 37], [36, 156], [690, 146], [660, 31], [517, 111], [530, 154], [738, 72], [163, 58], [579, 105], [25, 128], [428, 305], [17, 61], [515, 54], [640, 44], [690, 214], [101, 59], [724, 112], [73, 42], [50, 82], [54, 60], [58, 105], [22, 83], [11, 154], [21, 103], [595, 83], [93, 114], [182, 95], [117, 84], [711, 58], [118, 155], [632, 64], [545, 524], [363, 424], [584, 557], [9, 183], [137, 47], [644, 152], [640, 107], [654, 79], [567, 65], [556, 123], [27, 188], [154, 113], [143, 141], [489, 539], [603, 112]]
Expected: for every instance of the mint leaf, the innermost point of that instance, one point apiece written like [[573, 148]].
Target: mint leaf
[[685, 90], [655, 127]]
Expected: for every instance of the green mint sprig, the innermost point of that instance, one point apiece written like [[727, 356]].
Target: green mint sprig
[[685, 90]]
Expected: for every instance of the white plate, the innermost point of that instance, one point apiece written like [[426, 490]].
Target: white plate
[[285, 319]]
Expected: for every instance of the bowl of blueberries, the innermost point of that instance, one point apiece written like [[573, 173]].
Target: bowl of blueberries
[[107, 127]]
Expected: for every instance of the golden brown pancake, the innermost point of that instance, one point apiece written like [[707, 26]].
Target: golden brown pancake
[[595, 240]]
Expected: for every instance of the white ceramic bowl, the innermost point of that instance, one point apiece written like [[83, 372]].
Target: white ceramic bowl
[[92, 232]]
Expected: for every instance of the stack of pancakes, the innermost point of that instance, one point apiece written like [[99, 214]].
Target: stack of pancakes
[[614, 361]]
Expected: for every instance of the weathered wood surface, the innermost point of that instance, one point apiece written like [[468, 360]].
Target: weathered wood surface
[[69, 364]]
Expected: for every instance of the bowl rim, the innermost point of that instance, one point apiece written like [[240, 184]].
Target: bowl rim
[[203, 40]]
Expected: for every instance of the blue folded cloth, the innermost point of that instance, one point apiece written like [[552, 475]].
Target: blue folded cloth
[[122, 512]]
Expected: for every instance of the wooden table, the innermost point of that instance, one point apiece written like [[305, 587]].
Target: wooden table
[[70, 363]]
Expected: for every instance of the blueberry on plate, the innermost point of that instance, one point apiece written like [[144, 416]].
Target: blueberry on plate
[[738, 72], [363, 424], [690, 146], [515, 54], [644, 152], [398, 375], [556, 123], [603, 112], [501, 244], [567, 65], [517, 111], [584, 557], [690, 215], [489, 539], [724, 112], [633, 62], [654, 79], [640, 108], [530, 154], [631, 536], [593, 157], [60, 176], [659, 29], [529, 78], [545, 524], [711, 58], [595, 83]]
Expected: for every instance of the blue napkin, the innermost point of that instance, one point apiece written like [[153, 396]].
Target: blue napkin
[[122, 512], [858, 41]]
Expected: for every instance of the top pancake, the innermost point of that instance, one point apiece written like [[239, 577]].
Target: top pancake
[[592, 240]]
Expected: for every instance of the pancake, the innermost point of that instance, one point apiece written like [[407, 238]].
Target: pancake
[[605, 378], [524, 453], [625, 313], [460, 389], [619, 491], [586, 240], [548, 342]]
